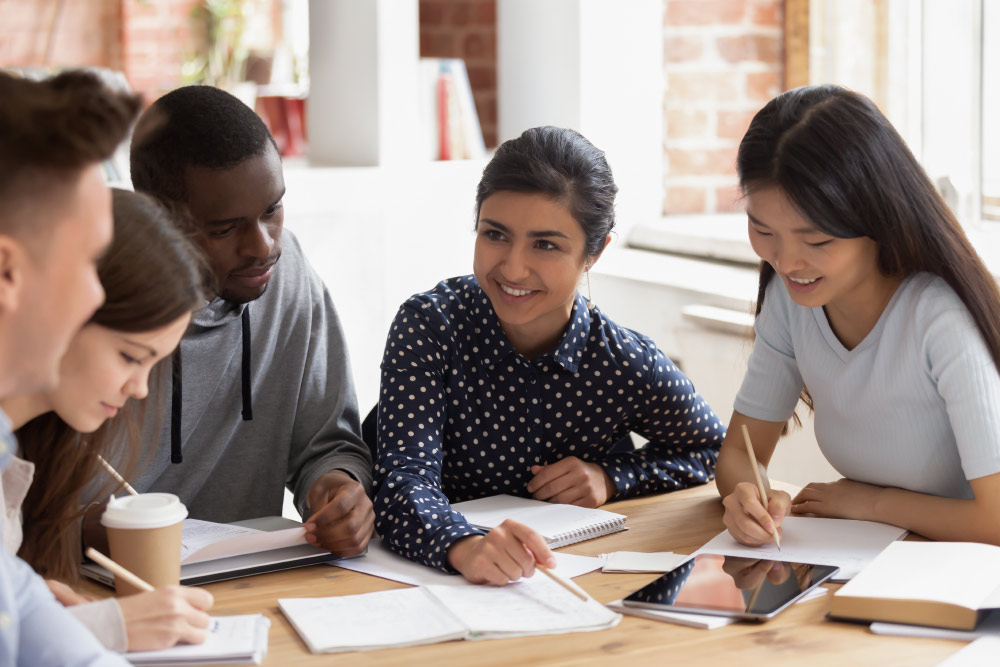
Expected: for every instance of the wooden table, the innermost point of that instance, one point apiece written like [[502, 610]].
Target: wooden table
[[679, 522]]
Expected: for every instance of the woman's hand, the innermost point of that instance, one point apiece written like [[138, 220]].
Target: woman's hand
[[571, 481], [165, 617], [506, 553], [843, 499], [65, 595], [746, 518]]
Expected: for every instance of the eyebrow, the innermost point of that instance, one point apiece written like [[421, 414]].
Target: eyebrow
[[229, 221], [152, 352], [800, 230], [531, 235]]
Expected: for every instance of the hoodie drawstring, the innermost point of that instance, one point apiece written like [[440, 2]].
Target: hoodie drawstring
[[175, 409], [177, 394], [247, 397]]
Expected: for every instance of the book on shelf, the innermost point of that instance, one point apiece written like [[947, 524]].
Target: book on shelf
[[941, 584], [448, 111], [558, 524]]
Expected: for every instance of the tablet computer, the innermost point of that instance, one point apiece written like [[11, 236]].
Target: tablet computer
[[220, 569], [745, 588]]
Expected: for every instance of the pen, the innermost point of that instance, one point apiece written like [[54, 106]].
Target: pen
[[117, 569], [760, 482], [114, 473], [565, 583]]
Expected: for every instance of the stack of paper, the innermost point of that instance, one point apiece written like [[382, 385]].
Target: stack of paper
[[639, 562], [232, 640]]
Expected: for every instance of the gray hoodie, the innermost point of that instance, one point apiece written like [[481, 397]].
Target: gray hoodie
[[304, 413]]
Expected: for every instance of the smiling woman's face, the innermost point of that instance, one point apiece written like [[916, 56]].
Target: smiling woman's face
[[103, 368], [529, 259]]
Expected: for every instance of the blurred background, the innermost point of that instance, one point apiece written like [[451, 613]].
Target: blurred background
[[386, 112]]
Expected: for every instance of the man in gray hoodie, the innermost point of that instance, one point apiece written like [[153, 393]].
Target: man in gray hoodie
[[261, 395]]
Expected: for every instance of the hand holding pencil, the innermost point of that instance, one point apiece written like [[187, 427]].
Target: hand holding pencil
[[753, 512]]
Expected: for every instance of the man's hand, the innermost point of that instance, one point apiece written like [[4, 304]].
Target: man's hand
[[571, 481], [342, 518], [506, 553]]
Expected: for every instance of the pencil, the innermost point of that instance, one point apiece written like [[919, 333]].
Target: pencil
[[760, 482], [118, 570], [114, 473], [565, 583]]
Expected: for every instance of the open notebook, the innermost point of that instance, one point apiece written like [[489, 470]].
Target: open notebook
[[231, 640], [431, 614], [558, 524]]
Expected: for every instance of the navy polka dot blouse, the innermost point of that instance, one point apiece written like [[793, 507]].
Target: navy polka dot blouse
[[462, 415]]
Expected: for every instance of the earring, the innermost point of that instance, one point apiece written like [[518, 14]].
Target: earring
[[590, 302]]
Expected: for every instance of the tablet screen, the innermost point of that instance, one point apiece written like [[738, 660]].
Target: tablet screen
[[730, 585]]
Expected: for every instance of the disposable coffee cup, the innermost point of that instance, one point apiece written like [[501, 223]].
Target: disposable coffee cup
[[144, 535]]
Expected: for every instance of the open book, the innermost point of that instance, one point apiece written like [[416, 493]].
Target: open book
[[558, 524], [431, 614], [944, 584]]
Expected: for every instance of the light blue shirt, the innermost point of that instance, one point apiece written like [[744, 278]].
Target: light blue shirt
[[35, 630], [916, 405]]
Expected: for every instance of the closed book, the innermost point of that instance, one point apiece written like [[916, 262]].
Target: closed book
[[941, 584]]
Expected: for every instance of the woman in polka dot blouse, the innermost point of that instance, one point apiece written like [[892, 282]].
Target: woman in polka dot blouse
[[509, 381]]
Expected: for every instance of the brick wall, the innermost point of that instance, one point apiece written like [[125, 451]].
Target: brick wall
[[723, 60], [53, 33], [156, 39], [466, 29]]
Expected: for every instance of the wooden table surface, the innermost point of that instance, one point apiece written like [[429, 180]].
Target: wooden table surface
[[679, 522]]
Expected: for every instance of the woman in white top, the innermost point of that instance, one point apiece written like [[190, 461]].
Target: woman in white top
[[153, 281], [874, 307]]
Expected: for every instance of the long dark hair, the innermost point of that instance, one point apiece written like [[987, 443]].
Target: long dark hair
[[152, 275], [563, 165], [846, 169]]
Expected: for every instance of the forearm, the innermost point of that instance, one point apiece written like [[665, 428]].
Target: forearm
[[937, 518], [657, 468], [732, 469]]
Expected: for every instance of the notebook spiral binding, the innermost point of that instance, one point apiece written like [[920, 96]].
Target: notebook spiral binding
[[587, 533]]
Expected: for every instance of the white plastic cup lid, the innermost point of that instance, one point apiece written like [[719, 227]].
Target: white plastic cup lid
[[146, 510]]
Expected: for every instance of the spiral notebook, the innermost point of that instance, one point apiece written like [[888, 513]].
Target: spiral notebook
[[558, 524]]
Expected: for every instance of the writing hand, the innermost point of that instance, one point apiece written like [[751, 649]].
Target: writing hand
[[746, 518], [344, 519], [165, 617], [506, 553], [571, 481]]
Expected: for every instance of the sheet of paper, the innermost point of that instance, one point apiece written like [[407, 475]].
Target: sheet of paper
[[959, 573], [548, 519], [230, 638], [983, 651], [989, 626], [701, 621], [637, 561], [845, 543], [535, 607], [380, 562], [401, 617], [205, 540]]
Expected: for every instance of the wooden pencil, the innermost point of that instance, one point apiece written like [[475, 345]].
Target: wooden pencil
[[760, 482], [568, 585], [114, 473], [117, 570]]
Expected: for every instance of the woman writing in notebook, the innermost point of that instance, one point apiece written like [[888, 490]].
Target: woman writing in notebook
[[152, 281], [873, 305], [510, 382]]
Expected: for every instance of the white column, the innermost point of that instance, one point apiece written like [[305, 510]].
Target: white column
[[363, 58], [595, 66]]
